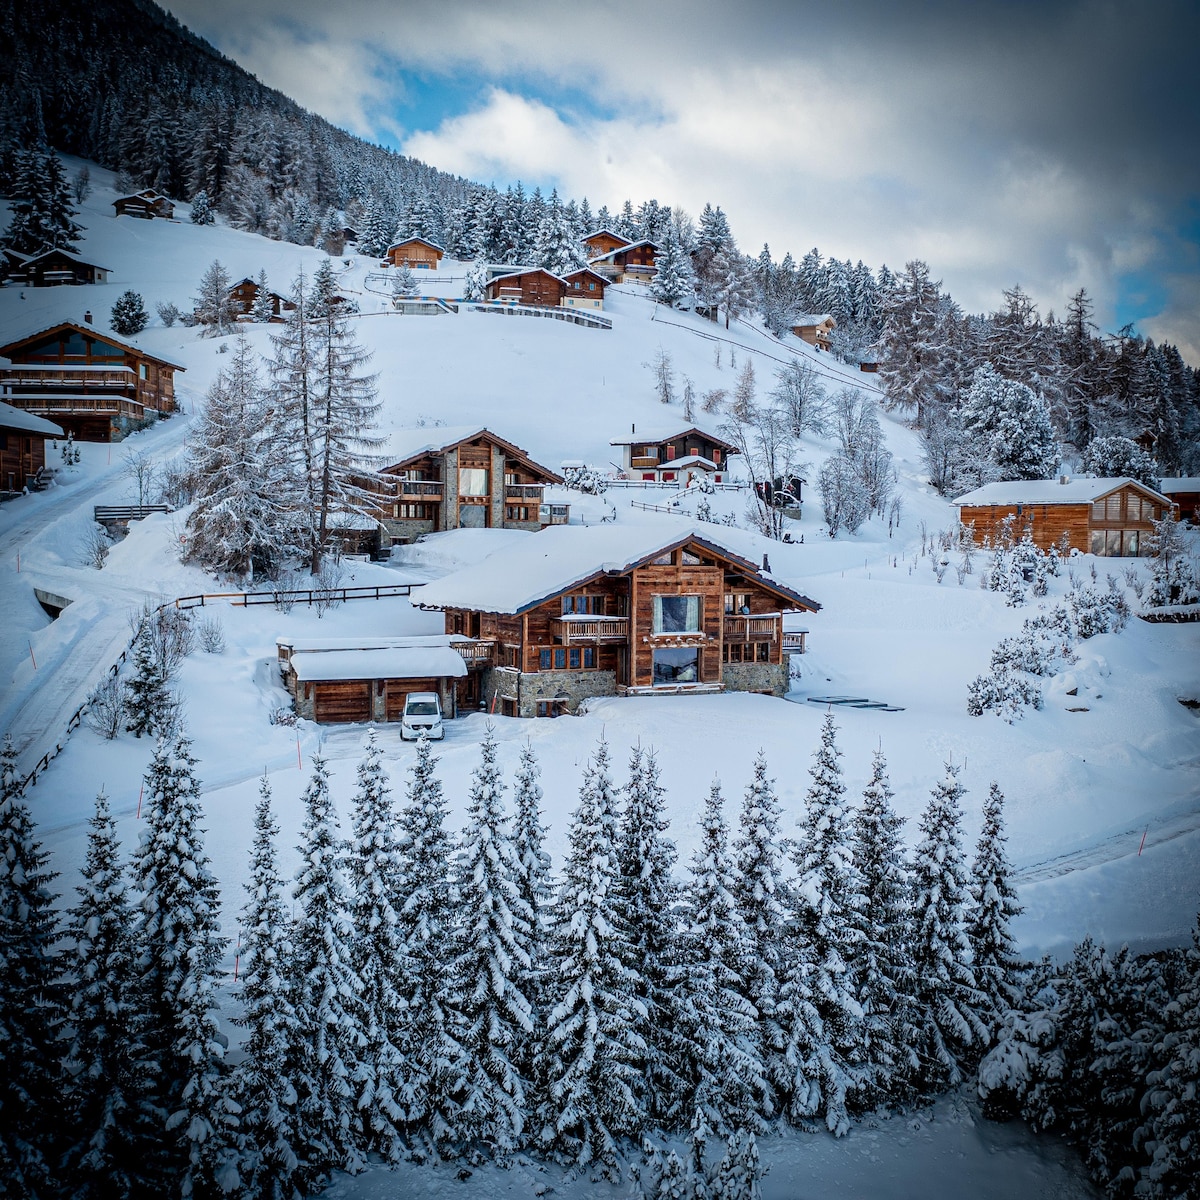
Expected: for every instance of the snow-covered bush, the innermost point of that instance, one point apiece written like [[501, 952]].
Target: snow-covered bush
[[96, 547], [1007, 693], [585, 479], [212, 635], [1172, 575], [106, 708], [168, 313]]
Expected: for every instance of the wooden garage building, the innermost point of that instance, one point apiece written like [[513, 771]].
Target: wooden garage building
[[22, 447], [92, 383], [1110, 517], [416, 253], [340, 680], [536, 286]]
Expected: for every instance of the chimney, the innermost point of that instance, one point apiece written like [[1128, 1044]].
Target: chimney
[[766, 564], [1064, 479], [87, 316]]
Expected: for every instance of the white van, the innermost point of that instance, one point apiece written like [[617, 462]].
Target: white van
[[422, 715]]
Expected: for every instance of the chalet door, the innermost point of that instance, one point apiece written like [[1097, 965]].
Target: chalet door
[[342, 701]]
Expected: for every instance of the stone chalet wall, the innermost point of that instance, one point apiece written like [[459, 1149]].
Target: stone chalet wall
[[756, 677], [545, 685]]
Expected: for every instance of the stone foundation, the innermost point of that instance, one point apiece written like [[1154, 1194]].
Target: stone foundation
[[525, 690], [755, 677]]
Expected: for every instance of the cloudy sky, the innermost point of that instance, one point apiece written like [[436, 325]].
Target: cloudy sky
[[1049, 144]]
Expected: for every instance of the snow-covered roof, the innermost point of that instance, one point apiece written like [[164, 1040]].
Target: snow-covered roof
[[319, 645], [1049, 491], [104, 335], [807, 319], [553, 561], [16, 418], [525, 271], [402, 446], [424, 242], [650, 435], [688, 460], [1180, 483], [83, 262], [399, 662], [584, 271], [623, 249], [606, 232]]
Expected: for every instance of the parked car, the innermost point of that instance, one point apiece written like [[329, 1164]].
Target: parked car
[[422, 715]]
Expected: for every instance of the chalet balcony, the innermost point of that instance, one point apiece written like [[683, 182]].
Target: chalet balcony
[[751, 629], [644, 460], [474, 653], [793, 640], [419, 489], [525, 493], [584, 628], [98, 405], [554, 514], [83, 377]]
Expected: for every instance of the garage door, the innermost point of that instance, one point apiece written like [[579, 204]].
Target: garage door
[[342, 701], [398, 689]]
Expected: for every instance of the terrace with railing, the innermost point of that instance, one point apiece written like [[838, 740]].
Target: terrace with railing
[[582, 628], [474, 653], [419, 489], [525, 492], [752, 629]]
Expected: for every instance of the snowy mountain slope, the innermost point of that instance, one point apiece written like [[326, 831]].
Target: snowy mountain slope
[[1077, 783]]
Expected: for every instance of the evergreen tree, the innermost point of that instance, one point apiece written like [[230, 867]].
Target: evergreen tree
[[1115, 457], [674, 279], [147, 700], [492, 960], [262, 310], [202, 213], [129, 315], [330, 1034], [647, 899], [215, 308], [107, 1079], [373, 239], [729, 1084], [475, 284], [881, 968], [995, 961], [40, 203], [264, 1080], [29, 997], [376, 865], [951, 1028], [592, 1049], [1008, 429], [817, 1001], [759, 894], [180, 946], [427, 915], [557, 245]]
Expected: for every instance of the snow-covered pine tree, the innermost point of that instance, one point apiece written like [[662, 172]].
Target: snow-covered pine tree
[[202, 213], [327, 993], [952, 1026], [129, 314], [557, 247], [147, 701], [759, 895], [180, 946], [107, 1084], [475, 284], [674, 280], [376, 866], [264, 1082], [263, 307], [491, 962], [404, 282], [1008, 428], [995, 962], [39, 196], [427, 917], [817, 1005], [373, 238], [215, 308], [345, 406], [239, 524], [592, 1050], [740, 1174], [647, 902], [726, 1070], [30, 1007], [881, 968]]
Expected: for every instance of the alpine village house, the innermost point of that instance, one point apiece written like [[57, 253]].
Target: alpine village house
[[676, 455], [605, 610], [92, 383], [23, 449]]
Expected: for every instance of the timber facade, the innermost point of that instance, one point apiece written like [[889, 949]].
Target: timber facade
[[635, 262], [816, 329], [244, 293], [537, 287], [93, 384], [604, 241], [677, 458], [415, 253], [147, 205], [54, 268], [22, 449]]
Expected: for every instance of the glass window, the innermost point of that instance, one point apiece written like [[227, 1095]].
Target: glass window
[[690, 559], [589, 656], [1113, 508], [560, 659], [1133, 507], [764, 652], [668, 476], [544, 660], [678, 665], [676, 614], [472, 481], [1112, 543], [1129, 543], [575, 658], [1097, 546], [1098, 511], [736, 602]]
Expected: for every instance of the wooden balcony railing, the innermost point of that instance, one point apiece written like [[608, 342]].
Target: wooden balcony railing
[[554, 514], [85, 377], [793, 639], [474, 653], [644, 460], [591, 629], [525, 491], [751, 629], [48, 402], [418, 489]]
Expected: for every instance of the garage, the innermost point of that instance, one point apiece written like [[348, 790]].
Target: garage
[[338, 702], [396, 692]]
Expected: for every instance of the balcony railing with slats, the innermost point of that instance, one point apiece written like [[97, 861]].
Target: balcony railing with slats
[[751, 629], [591, 629], [525, 491], [419, 489]]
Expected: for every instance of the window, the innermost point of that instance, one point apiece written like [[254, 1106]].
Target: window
[[737, 602], [664, 560], [472, 481], [676, 614], [764, 652], [648, 476], [1133, 508], [716, 457], [1129, 543], [143, 371], [589, 605], [563, 658], [516, 512], [668, 476], [670, 451], [689, 559], [412, 512], [675, 666]]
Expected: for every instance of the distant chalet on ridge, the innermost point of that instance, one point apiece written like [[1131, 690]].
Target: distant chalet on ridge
[[676, 454], [1109, 517], [51, 268], [1184, 493], [244, 293], [462, 477], [91, 383], [816, 329], [605, 610], [146, 204], [538, 287], [416, 253]]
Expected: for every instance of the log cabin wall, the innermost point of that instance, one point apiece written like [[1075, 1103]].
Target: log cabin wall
[[676, 579], [21, 456]]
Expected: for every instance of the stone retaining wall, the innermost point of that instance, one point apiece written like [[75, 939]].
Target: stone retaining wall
[[755, 677]]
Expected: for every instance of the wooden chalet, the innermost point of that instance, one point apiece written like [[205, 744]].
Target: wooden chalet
[[816, 329], [677, 455], [146, 204], [869, 365], [92, 383], [534, 286], [604, 241], [53, 268], [1109, 517], [22, 448], [244, 293], [339, 680], [606, 610], [631, 263], [1184, 493], [416, 253], [584, 289], [466, 477]]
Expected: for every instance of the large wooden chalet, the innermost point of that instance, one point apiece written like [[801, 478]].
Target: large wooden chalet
[[146, 204], [244, 293], [22, 448], [1184, 493], [92, 383], [541, 288], [604, 241], [605, 610], [676, 455], [635, 262], [52, 268], [416, 253], [1110, 517], [466, 477], [816, 329]]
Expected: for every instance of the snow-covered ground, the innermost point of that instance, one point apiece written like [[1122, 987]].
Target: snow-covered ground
[[1083, 788]]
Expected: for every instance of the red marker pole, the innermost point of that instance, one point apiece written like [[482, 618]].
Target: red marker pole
[[237, 956], [1143, 841], [299, 763], [31, 656], [139, 811]]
